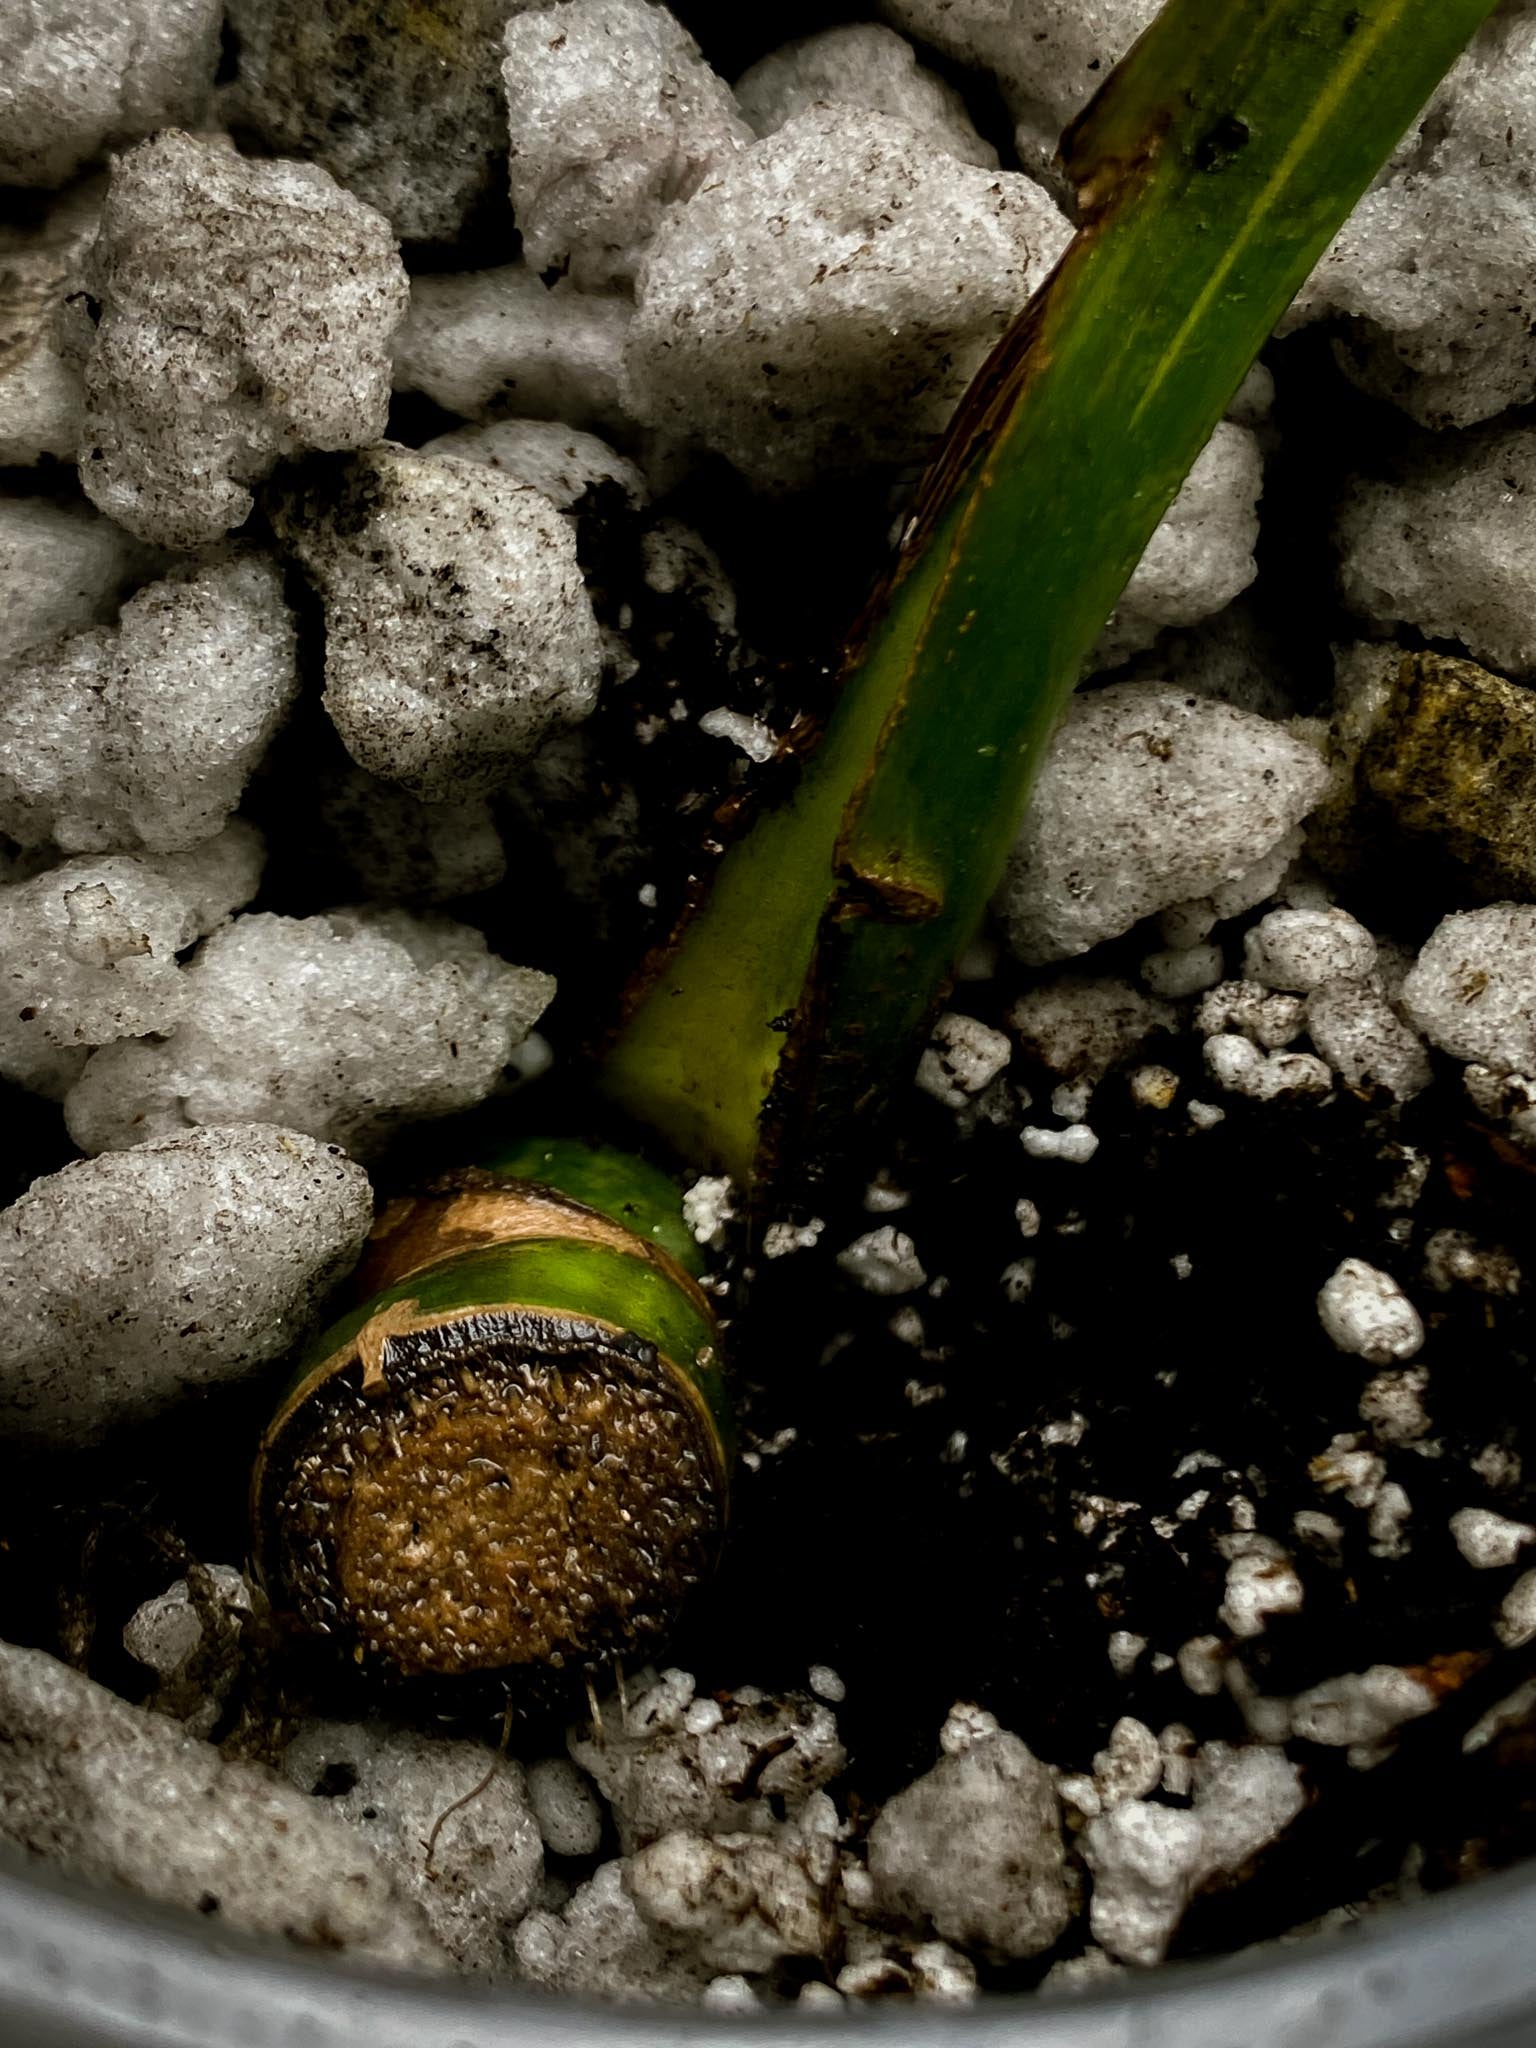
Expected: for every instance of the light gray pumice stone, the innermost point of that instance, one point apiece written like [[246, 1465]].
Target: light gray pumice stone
[[821, 302], [975, 1850], [144, 734], [1151, 795], [78, 74], [345, 1025], [62, 566], [122, 1796], [860, 64], [458, 629], [128, 1282], [246, 310], [475, 1875], [89, 949], [612, 116]]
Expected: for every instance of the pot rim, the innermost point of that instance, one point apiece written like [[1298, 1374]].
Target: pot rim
[[88, 1967]]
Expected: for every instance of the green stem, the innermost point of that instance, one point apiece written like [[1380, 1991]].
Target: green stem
[[516, 1448], [1213, 170]]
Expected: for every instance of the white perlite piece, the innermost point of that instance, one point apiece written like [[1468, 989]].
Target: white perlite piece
[[1076, 1145], [1365, 1042], [664, 1770], [1455, 1258], [613, 117], [1515, 1624], [1365, 1312], [1392, 1406], [1259, 1585], [345, 1026], [748, 735], [245, 314], [145, 734], [974, 1849], [1201, 556], [1356, 1710], [475, 1875], [483, 341], [1149, 1860], [568, 1811], [459, 632], [563, 462], [599, 1947], [1130, 1767], [403, 108], [1447, 546], [130, 1281], [1238, 1066], [1082, 1026], [88, 949], [76, 75], [61, 567], [41, 267], [736, 1902], [1472, 991], [1150, 795], [1433, 269], [1298, 950], [963, 1057], [860, 64], [1243, 1007], [1489, 1541], [883, 1261], [1048, 60], [166, 1635], [119, 1796], [822, 301]]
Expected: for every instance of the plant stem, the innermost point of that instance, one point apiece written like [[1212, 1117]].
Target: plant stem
[[1212, 171], [516, 1450]]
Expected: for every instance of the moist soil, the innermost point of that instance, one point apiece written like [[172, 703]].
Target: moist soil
[[906, 1513]]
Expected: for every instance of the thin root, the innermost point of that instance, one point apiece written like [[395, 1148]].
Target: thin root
[[475, 1791]]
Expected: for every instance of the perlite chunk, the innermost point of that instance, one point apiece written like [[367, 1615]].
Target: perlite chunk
[[121, 1796], [1149, 1860], [397, 99], [1433, 270], [612, 116], [345, 1026], [61, 566], [1150, 795], [1049, 57], [483, 342], [974, 1850], [1201, 556], [129, 1282], [1449, 545], [144, 734], [563, 462], [41, 265], [1472, 991], [476, 1874], [88, 949], [245, 314], [860, 64], [821, 302], [78, 74], [459, 632]]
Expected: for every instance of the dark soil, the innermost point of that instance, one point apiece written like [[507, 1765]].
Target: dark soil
[[915, 1532]]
